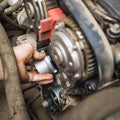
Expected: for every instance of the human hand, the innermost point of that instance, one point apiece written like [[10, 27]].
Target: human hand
[[24, 54]]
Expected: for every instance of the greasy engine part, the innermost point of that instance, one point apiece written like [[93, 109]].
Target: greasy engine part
[[78, 36], [71, 51], [54, 100], [112, 7], [42, 16], [27, 38], [12, 83], [34, 13], [108, 22], [95, 37], [66, 79], [78, 50], [113, 33], [51, 4], [89, 108], [75, 61], [13, 7], [116, 53], [38, 10], [9, 20]]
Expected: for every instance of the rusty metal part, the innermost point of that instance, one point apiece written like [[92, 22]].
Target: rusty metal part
[[93, 108], [12, 83], [72, 53], [95, 37]]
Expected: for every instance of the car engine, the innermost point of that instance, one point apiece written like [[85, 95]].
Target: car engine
[[81, 40]]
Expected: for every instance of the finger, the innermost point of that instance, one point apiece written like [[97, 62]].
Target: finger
[[35, 77], [23, 73], [45, 82], [38, 56]]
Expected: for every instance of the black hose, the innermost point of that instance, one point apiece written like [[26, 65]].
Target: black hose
[[96, 107], [9, 20], [12, 83], [13, 7]]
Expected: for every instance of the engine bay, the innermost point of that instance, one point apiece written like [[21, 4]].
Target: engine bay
[[81, 40]]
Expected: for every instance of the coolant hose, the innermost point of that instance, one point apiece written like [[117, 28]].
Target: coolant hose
[[9, 20], [13, 8], [96, 107], [11, 76]]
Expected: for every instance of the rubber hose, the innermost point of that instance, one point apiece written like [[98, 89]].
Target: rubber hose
[[12, 83], [13, 8], [96, 107], [9, 20]]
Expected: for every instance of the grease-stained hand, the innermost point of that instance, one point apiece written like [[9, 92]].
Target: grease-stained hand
[[24, 54]]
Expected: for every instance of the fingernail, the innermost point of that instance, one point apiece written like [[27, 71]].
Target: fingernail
[[43, 52]]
